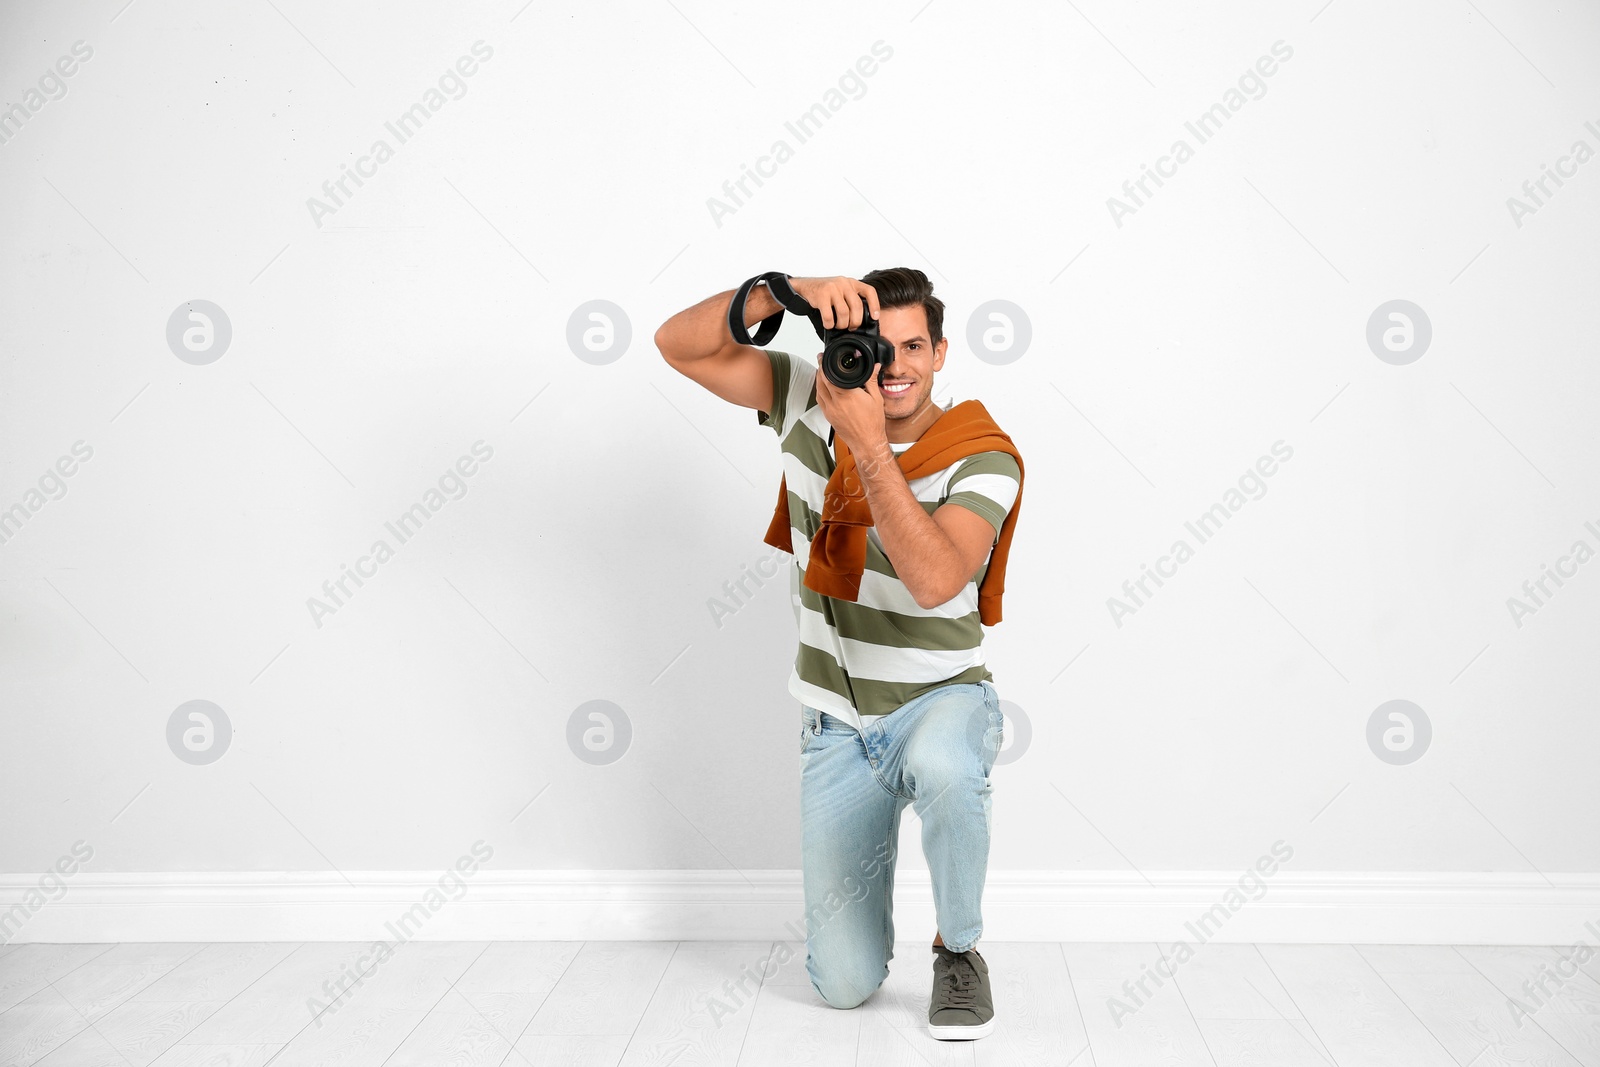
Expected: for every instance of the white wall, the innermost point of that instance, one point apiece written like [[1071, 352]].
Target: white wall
[[431, 311]]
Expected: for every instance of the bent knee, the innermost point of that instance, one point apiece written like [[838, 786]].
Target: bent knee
[[843, 993]]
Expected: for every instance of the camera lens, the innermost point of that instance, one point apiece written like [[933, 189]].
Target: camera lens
[[847, 361]]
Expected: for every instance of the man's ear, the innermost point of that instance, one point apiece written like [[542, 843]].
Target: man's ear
[[939, 351]]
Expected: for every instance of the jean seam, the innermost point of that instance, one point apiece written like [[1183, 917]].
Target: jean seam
[[877, 777], [888, 885]]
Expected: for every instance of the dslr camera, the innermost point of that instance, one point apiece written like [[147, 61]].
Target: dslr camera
[[849, 357]]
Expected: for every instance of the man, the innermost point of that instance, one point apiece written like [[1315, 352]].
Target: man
[[890, 593]]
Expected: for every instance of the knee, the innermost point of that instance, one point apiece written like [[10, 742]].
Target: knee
[[843, 991]]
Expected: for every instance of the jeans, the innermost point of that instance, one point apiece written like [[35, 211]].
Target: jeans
[[934, 752]]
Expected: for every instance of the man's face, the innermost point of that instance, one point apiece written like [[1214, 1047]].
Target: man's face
[[915, 360]]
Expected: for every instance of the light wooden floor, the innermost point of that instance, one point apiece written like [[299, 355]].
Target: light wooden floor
[[636, 1003]]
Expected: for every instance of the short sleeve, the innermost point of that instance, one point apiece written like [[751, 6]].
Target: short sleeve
[[987, 483], [793, 388]]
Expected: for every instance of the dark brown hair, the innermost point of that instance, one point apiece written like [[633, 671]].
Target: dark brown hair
[[899, 287]]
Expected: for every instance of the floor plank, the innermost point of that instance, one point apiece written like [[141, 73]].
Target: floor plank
[[286, 998], [793, 1027], [1355, 1015], [894, 1023], [725, 1004], [1541, 978], [1470, 1018], [141, 1029], [414, 976], [373, 1016], [1132, 1020], [569, 1050], [605, 989], [701, 1009], [1557, 1003], [138, 1032], [1243, 1012], [1260, 1043], [37, 1026], [789, 964], [1232, 982], [364, 1034], [505, 1014], [120, 974], [519, 967], [31, 968], [880, 1044], [1037, 1022], [467, 1030], [218, 1056], [217, 972]]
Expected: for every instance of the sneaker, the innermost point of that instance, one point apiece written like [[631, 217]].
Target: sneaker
[[961, 1007]]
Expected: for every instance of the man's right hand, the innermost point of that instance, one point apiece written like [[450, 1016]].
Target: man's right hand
[[697, 342], [838, 300]]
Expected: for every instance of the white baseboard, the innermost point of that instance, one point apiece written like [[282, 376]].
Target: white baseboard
[[1334, 907]]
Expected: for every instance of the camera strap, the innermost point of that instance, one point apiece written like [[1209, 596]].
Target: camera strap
[[778, 285]]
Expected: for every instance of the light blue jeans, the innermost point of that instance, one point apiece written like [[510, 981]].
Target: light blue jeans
[[934, 752]]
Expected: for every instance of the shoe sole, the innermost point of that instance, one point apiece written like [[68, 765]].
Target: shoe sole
[[960, 1033]]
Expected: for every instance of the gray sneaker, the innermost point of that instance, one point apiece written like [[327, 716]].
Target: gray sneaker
[[961, 1007]]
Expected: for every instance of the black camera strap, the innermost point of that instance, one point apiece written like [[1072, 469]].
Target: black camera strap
[[784, 294]]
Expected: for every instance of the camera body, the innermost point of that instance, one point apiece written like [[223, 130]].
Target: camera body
[[850, 357]]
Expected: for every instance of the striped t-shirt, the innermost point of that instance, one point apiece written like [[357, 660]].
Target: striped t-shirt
[[869, 656]]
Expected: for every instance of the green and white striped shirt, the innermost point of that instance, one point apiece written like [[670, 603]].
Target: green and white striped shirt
[[870, 656]]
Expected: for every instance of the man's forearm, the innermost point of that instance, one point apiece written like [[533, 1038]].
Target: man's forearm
[[702, 330], [922, 553]]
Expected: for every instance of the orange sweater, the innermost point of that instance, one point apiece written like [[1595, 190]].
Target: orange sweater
[[839, 548]]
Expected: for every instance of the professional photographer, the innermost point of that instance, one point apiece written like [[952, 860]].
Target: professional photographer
[[900, 515]]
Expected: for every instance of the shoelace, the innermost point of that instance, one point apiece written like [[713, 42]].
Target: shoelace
[[961, 984]]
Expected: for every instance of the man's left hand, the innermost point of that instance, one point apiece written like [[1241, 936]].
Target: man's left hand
[[856, 415]]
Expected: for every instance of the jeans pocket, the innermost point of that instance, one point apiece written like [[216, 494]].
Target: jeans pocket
[[994, 739], [808, 728]]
